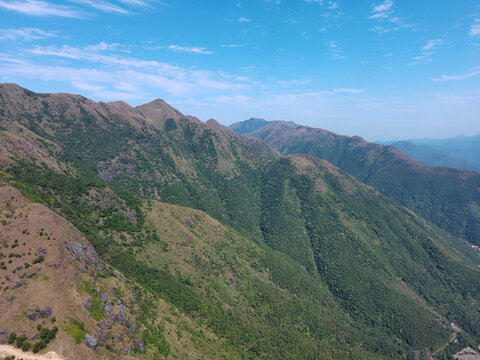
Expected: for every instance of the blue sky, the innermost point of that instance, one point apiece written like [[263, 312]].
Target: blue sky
[[381, 69]]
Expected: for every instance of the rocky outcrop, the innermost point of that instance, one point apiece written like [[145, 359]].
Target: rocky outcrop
[[85, 253], [90, 342], [139, 345]]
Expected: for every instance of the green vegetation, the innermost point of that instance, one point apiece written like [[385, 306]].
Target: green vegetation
[[76, 329], [97, 310]]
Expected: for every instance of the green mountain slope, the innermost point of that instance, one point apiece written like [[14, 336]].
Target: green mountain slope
[[449, 198], [295, 259]]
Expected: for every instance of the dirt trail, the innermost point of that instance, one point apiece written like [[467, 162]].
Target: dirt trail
[[7, 350], [454, 336]]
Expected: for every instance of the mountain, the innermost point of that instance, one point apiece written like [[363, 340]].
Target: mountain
[[461, 151], [217, 251], [447, 197], [433, 157]]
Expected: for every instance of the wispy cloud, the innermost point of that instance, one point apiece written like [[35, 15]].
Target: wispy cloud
[[26, 34], [475, 28], [457, 77], [332, 5], [382, 11], [428, 50], [97, 67], [40, 8], [102, 6], [384, 14], [244, 19], [190, 49], [233, 45], [334, 50]]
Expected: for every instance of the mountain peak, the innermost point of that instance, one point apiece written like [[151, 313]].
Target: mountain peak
[[158, 110]]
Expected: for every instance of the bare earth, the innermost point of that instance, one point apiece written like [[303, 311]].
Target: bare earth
[[7, 350]]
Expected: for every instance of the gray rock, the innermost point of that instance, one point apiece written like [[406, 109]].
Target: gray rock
[[17, 285], [127, 351], [31, 275], [133, 329], [90, 342], [21, 276], [44, 313], [88, 304], [32, 316], [106, 324], [83, 253], [11, 298], [42, 251], [103, 297], [34, 336], [19, 268], [108, 308], [119, 338], [139, 345], [82, 268], [104, 334], [120, 316]]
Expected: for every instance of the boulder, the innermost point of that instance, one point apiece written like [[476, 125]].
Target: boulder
[[17, 285], [32, 316], [104, 334], [90, 342], [139, 345], [88, 304], [44, 313], [108, 308], [133, 329]]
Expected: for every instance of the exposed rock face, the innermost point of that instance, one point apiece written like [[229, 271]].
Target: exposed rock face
[[44, 313], [121, 316], [133, 330], [139, 345], [104, 334], [83, 253], [90, 342], [17, 285], [88, 304]]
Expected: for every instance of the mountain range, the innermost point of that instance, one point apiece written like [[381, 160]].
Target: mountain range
[[447, 197], [459, 152], [147, 233]]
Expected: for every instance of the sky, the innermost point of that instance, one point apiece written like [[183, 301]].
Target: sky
[[381, 69]]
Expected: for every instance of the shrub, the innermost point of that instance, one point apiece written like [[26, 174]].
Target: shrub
[[12, 337]]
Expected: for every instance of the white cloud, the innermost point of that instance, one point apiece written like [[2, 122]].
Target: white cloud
[[40, 8], [428, 50], [475, 28], [331, 5], [190, 49], [456, 77], [26, 34], [244, 19], [384, 13], [102, 6], [348, 91], [233, 45], [334, 50]]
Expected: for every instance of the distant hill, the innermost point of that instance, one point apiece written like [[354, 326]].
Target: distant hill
[[461, 151], [447, 197], [431, 156]]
